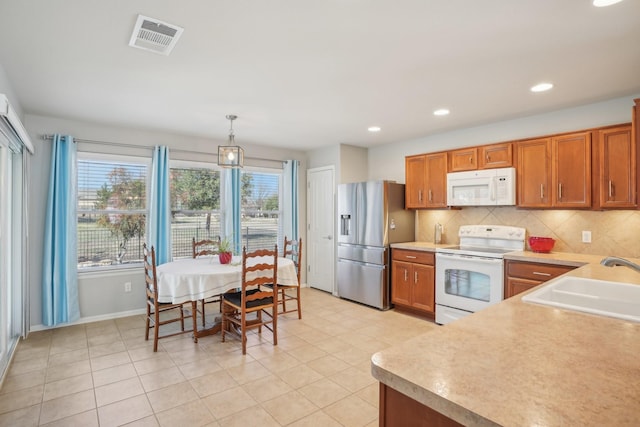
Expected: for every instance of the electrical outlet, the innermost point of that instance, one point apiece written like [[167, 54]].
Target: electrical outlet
[[586, 237], [127, 286]]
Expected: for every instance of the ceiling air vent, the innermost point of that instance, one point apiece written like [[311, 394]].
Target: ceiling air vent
[[154, 35]]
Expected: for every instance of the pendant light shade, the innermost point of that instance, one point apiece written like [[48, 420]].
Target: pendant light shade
[[231, 155]]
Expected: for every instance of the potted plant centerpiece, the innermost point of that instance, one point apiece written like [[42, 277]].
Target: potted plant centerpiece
[[225, 251]]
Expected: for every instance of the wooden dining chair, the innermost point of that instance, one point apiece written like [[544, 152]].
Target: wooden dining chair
[[203, 248], [259, 268], [171, 313], [291, 249]]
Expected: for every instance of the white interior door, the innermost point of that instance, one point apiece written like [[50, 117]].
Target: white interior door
[[320, 228]]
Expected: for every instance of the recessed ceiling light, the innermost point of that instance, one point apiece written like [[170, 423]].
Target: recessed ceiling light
[[374, 129], [603, 3], [441, 112], [541, 87]]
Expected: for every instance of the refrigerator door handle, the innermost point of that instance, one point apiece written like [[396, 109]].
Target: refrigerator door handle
[[352, 245], [366, 264]]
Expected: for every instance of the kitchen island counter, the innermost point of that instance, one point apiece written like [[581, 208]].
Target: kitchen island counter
[[520, 364]]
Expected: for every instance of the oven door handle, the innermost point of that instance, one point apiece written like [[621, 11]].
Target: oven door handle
[[486, 260]]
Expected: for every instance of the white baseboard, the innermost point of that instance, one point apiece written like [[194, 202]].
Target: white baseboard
[[90, 319]]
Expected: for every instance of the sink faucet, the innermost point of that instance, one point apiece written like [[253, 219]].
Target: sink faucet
[[612, 261]]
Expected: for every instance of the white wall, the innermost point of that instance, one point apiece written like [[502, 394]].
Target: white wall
[[353, 164], [102, 294], [387, 161], [7, 89]]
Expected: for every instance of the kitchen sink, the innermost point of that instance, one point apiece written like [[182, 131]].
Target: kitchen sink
[[600, 297]]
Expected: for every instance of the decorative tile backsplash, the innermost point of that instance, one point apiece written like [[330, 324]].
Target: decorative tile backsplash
[[612, 232]]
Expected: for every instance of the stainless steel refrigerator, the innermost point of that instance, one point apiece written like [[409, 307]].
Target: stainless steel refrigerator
[[371, 215]]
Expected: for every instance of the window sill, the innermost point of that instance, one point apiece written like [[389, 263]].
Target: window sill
[[119, 270]]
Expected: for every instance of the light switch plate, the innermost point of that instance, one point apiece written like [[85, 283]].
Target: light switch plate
[[586, 237]]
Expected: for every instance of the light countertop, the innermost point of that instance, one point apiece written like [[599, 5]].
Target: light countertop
[[418, 246], [520, 364]]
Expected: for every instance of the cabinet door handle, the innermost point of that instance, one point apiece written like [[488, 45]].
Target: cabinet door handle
[[470, 159], [541, 191], [537, 273], [406, 275], [559, 191], [419, 195], [415, 277], [430, 196], [610, 189], [487, 157], [410, 256]]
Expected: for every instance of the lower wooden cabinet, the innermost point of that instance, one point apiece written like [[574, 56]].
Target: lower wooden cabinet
[[521, 276], [413, 281], [397, 409]]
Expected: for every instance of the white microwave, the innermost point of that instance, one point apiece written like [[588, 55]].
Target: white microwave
[[486, 187]]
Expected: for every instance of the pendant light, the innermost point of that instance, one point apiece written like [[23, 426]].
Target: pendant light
[[230, 156]]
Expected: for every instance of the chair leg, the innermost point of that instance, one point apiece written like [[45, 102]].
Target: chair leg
[[156, 330], [284, 301], [182, 317], [146, 333], [243, 332], [203, 315], [275, 323], [224, 322], [299, 308], [194, 313]]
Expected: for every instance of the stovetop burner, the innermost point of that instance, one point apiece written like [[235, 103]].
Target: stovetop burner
[[487, 240]]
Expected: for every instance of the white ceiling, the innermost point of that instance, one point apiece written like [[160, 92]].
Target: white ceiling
[[304, 74]]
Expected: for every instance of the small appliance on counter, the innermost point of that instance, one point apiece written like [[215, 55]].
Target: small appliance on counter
[[371, 216], [437, 233]]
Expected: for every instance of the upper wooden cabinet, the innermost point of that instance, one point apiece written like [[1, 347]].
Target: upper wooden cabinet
[[495, 156], [483, 157], [555, 172], [415, 169], [426, 181], [463, 160], [616, 168], [571, 174], [533, 173]]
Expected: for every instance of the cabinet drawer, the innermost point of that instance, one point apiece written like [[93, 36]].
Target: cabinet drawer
[[533, 271], [418, 257]]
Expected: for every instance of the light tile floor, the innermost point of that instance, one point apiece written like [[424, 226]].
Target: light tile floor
[[106, 374]]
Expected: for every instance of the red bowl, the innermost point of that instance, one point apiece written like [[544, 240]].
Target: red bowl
[[541, 244]]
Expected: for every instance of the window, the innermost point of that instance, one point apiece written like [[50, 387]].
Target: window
[[112, 210], [195, 206], [260, 209]]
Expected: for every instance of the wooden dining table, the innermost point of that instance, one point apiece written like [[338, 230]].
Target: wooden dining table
[[195, 279]]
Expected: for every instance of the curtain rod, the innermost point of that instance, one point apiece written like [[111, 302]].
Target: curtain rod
[[177, 150]]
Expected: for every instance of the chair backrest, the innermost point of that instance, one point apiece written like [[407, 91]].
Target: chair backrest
[[150, 277], [293, 249], [205, 247], [259, 268]]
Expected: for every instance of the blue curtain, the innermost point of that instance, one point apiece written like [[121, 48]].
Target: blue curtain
[[60, 263], [231, 205], [159, 221], [290, 200]]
